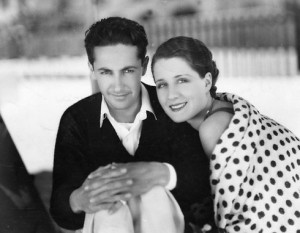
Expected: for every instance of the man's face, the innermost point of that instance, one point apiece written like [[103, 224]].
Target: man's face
[[118, 72]]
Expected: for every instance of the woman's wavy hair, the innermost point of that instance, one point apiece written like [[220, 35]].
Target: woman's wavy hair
[[195, 52]]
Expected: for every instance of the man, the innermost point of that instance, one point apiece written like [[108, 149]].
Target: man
[[125, 125]]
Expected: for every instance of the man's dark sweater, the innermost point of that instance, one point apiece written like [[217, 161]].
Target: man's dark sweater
[[82, 146]]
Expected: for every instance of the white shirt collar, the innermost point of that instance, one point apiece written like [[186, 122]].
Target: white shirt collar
[[141, 115]]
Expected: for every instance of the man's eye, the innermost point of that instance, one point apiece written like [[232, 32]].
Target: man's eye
[[129, 71], [182, 80], [104, 72]]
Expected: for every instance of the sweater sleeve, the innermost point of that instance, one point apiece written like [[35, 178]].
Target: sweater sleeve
[[68, 170]]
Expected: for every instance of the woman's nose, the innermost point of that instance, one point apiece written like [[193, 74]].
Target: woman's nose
[[172, 93]]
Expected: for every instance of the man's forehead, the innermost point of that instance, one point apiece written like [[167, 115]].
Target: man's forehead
[[116, 56], [117, 49]]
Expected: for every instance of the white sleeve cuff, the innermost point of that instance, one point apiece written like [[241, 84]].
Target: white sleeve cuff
[[173, 177]]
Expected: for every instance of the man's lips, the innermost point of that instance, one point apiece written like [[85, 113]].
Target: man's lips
[[177, 107], [120, 95]]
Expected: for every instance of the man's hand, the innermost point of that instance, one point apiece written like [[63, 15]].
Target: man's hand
[[105, 187], [141, 177], [103, 191]]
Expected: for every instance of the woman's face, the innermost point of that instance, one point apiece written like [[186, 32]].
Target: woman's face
[[181, 91]]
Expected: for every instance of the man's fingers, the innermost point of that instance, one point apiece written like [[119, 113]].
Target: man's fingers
[[109, 171], [101, 185], [99, 171], [95, 208], [109, 197], [110, 207], [115, 172], [116, 206]]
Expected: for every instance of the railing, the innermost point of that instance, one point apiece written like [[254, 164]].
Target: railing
[[262, 62], [255, 30], [261, 44]]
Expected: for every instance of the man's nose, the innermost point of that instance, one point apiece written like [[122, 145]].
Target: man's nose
[[118, 83]]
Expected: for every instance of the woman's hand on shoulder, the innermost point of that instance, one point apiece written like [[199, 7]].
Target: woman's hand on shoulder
[[212, 129]]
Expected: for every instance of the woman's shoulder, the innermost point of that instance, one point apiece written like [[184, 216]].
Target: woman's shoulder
[[214, 126], [219, 117], [222, 106], [221, 111]]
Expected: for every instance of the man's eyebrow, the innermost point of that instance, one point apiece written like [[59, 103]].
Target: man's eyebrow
[[129, 67], [103, 68]]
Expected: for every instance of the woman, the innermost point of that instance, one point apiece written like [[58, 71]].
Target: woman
[[254, 161]]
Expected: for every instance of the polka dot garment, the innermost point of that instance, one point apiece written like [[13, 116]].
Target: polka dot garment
[[255, 173]]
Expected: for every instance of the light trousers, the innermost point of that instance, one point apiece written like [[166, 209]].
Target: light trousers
[[154, 212]]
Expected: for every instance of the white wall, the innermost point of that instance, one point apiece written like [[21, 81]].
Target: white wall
[[32, 103]]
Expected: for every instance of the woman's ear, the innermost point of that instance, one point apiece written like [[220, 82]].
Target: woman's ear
[[208, 81]]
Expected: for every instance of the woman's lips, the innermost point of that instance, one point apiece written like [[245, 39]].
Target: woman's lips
[[177, 107]]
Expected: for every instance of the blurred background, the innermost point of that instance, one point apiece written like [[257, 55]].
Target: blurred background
[[44, 69]]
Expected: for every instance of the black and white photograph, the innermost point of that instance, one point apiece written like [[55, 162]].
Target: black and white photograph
[[161, 116]]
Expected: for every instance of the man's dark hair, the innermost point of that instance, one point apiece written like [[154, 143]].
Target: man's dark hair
[[115, 30]]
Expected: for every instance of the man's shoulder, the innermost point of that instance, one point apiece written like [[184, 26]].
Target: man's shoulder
[[150, 89], [86, 105], [153, 99], [89, 100]]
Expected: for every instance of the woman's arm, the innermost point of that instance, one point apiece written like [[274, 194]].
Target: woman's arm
[[211, 130]]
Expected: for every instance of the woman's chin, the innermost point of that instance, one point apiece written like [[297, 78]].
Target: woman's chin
[[177, 119]]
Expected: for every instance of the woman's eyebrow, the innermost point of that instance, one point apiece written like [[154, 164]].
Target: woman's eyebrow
[[180, 75], [176, 77], [158, 80]]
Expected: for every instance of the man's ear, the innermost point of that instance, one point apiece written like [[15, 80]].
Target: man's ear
[[92, 76], [145, 65], [208, 81], [90, 66]]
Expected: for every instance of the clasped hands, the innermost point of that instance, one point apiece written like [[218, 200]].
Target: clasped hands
[[107, 188]]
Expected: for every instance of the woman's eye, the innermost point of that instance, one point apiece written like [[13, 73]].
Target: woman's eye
[[160, 85]]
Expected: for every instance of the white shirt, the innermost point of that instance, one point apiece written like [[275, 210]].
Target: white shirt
[[129, 133]]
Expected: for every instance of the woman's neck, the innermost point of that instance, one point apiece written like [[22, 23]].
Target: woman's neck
[[197, 120]]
